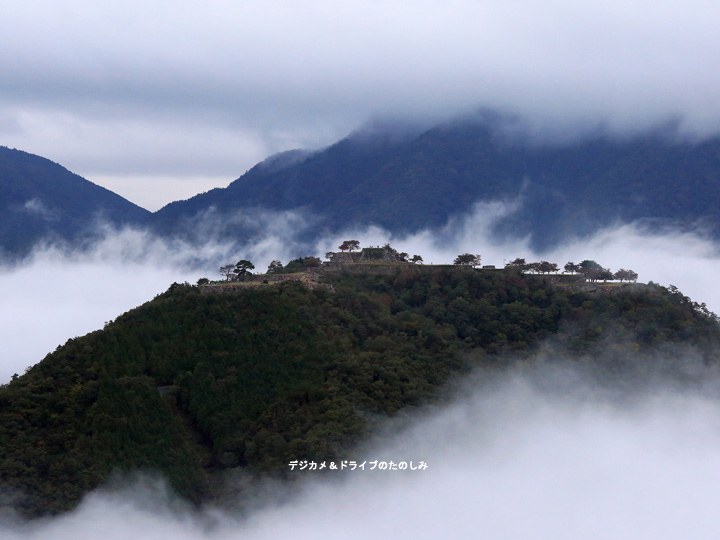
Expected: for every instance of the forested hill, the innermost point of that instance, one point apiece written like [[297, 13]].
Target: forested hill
[[407, 184], [42, 201], [199, 385]]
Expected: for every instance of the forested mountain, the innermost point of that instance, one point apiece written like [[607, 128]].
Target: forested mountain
[[406, 184], [200, 386], [40, 200]]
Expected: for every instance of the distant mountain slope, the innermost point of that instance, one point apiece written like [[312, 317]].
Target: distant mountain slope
[[403, 183], [420, 182], [40, 199]]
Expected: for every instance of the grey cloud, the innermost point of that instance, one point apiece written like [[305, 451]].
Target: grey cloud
[[292, 74]]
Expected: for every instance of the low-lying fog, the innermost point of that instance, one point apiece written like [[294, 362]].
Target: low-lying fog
[[538, 453], [56, 296]]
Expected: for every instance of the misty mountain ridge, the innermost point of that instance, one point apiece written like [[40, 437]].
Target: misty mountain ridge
[[410, 180], [41, 201]]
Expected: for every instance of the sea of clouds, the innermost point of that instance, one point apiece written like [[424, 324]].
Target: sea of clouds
[[542, 451]]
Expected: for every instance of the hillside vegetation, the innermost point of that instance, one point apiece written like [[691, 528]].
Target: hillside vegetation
[[198, 385]]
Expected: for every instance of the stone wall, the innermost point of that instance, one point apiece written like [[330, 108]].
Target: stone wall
[[313, 276], [361, 268], [345, 257], [255, 280], [561, 279], [384, 268]]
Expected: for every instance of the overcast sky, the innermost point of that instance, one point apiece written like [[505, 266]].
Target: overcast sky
[[160, 100]]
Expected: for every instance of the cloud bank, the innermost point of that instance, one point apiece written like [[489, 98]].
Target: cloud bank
[[688, 260], [58, 295], [195, 94]]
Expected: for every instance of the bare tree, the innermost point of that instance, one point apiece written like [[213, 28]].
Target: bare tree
[[228, 270]]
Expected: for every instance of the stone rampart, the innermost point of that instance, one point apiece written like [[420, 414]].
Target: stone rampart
[[313, 276], [561, 279], [254, 280], [362, 268]]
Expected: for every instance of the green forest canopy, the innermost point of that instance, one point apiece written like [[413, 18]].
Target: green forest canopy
[[198, 385]]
